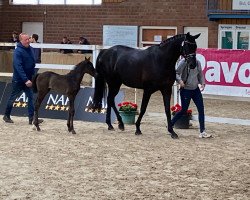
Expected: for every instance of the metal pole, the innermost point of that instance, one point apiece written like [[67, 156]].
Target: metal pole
[[95, 54]]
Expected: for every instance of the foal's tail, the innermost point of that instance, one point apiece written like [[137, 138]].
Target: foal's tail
[[34, 86]]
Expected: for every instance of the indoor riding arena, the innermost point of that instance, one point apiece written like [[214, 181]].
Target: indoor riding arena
[[97, 163], [100, 164]]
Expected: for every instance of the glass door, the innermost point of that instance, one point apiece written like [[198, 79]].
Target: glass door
[[243, 39], [227, 40]]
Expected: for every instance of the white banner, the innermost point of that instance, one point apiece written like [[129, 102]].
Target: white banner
[[241, 5]]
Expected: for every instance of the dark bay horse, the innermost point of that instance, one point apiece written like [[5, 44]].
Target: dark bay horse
[[151, 69], [68, 84]]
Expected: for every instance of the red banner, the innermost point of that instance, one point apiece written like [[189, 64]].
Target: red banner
[[225, 67]]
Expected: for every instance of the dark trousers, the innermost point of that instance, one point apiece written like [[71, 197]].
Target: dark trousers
[[17, 89], [186, 96]]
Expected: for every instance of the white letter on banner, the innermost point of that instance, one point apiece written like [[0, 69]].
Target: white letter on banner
[[229, 74], [66, 101], [213, 72], [52, 99], [243, 75], [22, 97], [89, 101], [61, 99]]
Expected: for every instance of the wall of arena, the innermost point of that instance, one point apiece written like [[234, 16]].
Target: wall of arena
[[74, 21]]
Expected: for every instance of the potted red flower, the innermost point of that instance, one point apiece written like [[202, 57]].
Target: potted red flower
[[128, 111], [183, 122]]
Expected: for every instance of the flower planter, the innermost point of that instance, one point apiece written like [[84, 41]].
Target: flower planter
[[128, 117], [183, 122]]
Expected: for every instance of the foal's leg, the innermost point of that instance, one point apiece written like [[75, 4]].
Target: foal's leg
[[39, 99], [144, 104], [71, 115], [166, 94]]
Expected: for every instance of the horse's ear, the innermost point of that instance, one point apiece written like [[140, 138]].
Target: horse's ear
[[188, 34], [196, 36], [87, 59]]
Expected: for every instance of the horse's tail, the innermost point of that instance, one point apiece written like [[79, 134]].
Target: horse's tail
[[99, 93], [100, 85], [34, 85]]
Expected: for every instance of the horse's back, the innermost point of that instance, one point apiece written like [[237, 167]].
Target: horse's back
[[45, 76], [47, 80], [130, 66]]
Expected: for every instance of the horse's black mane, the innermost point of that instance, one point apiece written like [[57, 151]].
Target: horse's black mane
[[76, 68], [171, 39]]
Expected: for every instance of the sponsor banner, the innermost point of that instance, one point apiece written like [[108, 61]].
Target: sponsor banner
[[19, 106], [241, 5], [2, 89], [224, 90], [229, 69], [56, 106], [86, 96]]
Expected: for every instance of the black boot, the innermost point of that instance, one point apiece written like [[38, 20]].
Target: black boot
[[7, 119]]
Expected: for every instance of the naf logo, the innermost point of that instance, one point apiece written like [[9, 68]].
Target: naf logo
[[56, 106], [90, 101], [21, 101], [57, 102]]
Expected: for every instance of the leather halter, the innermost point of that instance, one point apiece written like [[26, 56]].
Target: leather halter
[[186, 56]]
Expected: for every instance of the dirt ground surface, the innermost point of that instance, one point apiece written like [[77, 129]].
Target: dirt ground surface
[[100, 164]]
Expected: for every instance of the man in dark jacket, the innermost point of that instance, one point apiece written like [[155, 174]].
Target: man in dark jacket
[[37, 51], [66, 41], [23, 70]]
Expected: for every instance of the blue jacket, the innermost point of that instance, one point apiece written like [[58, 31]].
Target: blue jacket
[[23, 63]]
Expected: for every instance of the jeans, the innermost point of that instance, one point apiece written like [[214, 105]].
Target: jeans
[[17, 89], [186, 96]]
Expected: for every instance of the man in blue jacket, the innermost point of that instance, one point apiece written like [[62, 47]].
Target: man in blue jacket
[[23, 70]]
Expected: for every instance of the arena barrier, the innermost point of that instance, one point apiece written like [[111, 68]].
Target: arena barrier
[[227, 72], [55, 105]]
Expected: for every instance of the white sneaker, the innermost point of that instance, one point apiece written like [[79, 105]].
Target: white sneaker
[[205, 135]]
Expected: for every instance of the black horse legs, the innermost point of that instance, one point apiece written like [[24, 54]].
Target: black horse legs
[[39, 99], [166, 99], [144, 104], [111, 104], [71, 115]]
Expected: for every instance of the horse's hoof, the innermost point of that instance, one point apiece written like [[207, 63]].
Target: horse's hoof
[[111, 128], [121, 127], [73, 132], [138, 133], [174, 136], [38, 129]]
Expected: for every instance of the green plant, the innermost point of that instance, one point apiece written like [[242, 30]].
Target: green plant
[[127, 106]]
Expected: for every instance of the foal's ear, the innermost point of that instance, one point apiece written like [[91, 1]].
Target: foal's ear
[[87, 59]]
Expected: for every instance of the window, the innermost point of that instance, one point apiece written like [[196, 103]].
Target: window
[[227, 40], [234, 36], [56, 2], [50, 2], [243, 39], [151, 35]]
